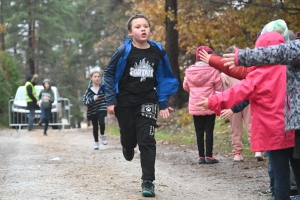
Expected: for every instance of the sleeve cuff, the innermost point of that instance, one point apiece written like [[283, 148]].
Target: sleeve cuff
[[163, 105]]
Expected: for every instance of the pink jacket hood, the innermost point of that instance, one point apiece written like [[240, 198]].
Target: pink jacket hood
[[201, 80], [265, 88]]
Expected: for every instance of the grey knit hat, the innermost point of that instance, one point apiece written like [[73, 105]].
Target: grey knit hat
[[46, 80]]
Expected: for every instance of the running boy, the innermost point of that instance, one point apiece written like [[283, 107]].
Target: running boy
[[94, 99], [139, 78]]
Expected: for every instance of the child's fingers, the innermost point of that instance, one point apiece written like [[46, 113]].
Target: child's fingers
[[170, 108]]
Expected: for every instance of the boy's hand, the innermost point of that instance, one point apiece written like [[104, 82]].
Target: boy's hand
[[204, 56], [96, 97], [228, 60], [165, 113], [226, 114], [46, 98], [111, 109], [203, 105]]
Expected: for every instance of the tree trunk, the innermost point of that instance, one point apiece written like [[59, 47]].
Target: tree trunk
[[31, 39], [2, 27], [172, 48]]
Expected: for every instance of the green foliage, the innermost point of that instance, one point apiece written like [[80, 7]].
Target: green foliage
[[184, 118], [9, 79]]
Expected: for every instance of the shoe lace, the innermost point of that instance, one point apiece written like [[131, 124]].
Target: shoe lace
[[148, 184]]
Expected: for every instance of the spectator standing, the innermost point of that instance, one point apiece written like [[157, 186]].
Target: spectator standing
[[201, 80], [31, 98]]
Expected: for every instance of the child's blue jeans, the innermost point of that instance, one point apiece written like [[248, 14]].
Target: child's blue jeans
[[45, 117]]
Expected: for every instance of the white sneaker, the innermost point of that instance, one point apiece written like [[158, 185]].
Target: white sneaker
[[104, 140], [96, 145], [238, 158], [259, 156]]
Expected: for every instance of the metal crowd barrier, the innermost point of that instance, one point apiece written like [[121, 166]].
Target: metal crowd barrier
[[18, 115]]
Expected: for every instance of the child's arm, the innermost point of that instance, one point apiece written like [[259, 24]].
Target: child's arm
[[186, 85], [287, 54], [167, 84], [52, 96], [109, 77], [88, 98], [217, 63], [230, 97], [240, 107], [40, 95], [237, 72]]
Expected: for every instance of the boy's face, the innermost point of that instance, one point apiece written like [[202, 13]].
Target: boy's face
[[140, 30]]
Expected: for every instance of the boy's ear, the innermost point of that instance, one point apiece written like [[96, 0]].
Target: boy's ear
[[130, 32]]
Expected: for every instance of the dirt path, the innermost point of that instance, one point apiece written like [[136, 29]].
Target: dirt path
[[64, 165]]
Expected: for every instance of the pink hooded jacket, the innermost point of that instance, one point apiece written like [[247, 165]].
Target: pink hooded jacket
[[201, 80], [265, 88]]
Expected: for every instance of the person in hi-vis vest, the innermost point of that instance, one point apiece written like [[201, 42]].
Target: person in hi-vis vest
[[31, 98]]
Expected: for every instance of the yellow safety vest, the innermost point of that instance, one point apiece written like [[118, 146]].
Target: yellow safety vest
[[28, 99]]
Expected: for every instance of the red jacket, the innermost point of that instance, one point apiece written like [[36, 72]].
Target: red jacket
[[265, 88], [236, 72]]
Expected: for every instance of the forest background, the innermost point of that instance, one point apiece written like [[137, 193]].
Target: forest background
[[64, 40]]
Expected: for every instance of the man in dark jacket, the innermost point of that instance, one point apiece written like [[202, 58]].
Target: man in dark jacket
[[31, 98]]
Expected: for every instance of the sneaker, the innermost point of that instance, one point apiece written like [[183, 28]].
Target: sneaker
[[266, 192], [201, 160], [211, 160], [128, 154], [296, 197], [96, 145], [45, 133], [259, 156], [238, 157], [104, 140], [148, 188]]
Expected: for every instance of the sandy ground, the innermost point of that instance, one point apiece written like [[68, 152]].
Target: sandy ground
[[64, 165]]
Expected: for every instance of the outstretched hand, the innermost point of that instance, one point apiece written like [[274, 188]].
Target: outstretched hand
[[165, 112], [204, 56], [228, 60], [226, 114], [203, 105]]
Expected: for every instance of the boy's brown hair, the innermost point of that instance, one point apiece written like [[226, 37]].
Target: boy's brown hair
[[136, 16]]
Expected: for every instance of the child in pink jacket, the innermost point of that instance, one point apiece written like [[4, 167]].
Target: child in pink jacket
[[201, 80], [265, 88]]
